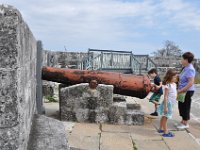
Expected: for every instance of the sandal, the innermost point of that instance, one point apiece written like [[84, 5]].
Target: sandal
[[170, 134]]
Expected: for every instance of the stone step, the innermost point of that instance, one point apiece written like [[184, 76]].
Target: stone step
[[133, 106], [119, 114], [118, 98]]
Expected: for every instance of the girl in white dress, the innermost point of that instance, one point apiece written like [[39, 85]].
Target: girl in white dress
[[166, 107]]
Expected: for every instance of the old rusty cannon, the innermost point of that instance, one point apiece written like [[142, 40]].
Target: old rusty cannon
[[124, 84]]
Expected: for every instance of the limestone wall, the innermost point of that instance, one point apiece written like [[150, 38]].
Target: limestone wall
[[63, 59], [82, 104], [18, 51]]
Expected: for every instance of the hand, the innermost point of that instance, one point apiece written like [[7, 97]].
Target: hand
[[152, 87], [179, 91], [152, 84]]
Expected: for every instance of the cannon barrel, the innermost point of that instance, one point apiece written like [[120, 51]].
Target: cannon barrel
[[124, 84]]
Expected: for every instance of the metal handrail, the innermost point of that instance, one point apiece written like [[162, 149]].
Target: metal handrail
[[135, 65], [107, 59], [147, 63]]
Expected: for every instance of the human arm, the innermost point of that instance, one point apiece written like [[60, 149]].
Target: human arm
[[166, 99], [185, 89], [158, 86], [158, 83]]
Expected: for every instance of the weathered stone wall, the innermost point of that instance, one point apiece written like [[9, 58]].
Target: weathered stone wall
[[39, 95], [63, 59], [82, 104], [18, 50]]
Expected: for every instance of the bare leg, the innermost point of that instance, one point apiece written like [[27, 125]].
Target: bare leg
[[161, 123], [156, 106], [182, 121], [155, 102], [185, 122], [165, 125]]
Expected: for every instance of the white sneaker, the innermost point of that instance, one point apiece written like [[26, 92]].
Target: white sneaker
[[182, 126]]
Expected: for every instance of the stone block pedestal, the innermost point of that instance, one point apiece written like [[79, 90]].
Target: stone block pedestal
[[82, 104]]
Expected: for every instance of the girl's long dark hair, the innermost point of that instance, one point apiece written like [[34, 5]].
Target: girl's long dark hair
[[168, 76]]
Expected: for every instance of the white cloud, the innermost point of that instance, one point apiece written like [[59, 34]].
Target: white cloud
[[106, 23], [90, 20], [182, 13]]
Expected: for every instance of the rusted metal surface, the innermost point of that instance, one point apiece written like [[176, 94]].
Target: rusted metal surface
[[124, 84]]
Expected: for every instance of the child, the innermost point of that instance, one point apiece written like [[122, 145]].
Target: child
[[166, 107], [158, 89]]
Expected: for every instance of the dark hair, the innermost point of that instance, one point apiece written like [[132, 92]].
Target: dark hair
[[189, 56], [168, 76], [153, 71]]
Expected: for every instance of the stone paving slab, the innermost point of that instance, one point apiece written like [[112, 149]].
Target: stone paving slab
[[171, 124], [84, 136], [83, 142], [145, 134], [194, 129], [115, 141], [116, 128], [86, 129], [137, 132], [150, 145], [182, 141], [126, 128], [68, 127]]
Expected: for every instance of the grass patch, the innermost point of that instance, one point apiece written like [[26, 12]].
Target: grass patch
[[197, 80], [134, 145]]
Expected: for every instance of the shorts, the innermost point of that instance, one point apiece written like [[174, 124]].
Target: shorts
[[170, 107], [155, 97]]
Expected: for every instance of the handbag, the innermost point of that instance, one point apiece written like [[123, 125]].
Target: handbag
[[181, 97]]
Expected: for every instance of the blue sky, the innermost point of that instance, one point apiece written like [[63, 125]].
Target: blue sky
[[140, 26]]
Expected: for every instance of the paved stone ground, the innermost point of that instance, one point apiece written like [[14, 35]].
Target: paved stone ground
[[195, 114], [84, 136], [196, 104]]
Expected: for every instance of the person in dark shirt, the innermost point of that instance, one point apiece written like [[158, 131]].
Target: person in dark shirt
[[155, 98]]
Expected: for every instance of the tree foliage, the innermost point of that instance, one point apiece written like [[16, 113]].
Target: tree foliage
[[170, 49]]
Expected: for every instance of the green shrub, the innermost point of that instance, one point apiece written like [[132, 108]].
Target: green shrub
[[51, 99], [197, 80]]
